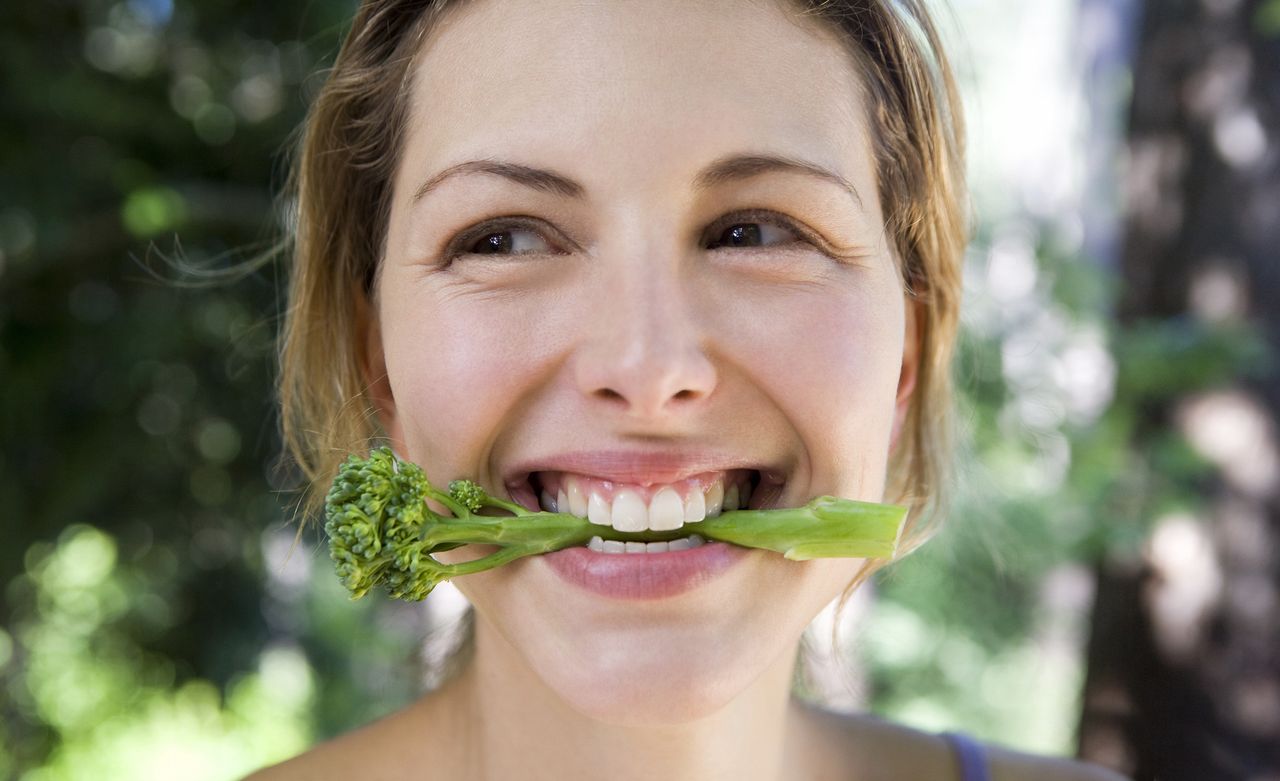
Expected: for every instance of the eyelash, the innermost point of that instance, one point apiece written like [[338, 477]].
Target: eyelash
[[460, 246]]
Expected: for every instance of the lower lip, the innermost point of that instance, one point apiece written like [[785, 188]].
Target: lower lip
[[644, 576]]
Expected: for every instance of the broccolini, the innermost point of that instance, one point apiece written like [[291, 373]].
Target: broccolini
[[381, 531]]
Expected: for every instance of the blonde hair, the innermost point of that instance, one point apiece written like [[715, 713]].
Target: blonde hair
[[350, 150]]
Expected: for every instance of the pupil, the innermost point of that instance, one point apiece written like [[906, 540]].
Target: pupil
[[744, 234], [495, 242]]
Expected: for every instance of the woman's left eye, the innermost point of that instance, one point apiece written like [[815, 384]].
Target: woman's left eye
[[745, 231]]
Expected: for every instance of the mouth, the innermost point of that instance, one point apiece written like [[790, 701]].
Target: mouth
[[656, 517], [656, 504]]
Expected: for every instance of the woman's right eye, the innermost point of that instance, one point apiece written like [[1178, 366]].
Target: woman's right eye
[[500, 239]]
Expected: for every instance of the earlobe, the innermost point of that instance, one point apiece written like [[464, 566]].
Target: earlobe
[[910, 370], [373, 367]]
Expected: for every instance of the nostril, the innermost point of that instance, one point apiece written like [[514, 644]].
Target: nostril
[[609, 394]]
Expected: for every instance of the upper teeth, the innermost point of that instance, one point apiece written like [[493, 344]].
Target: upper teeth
[[634, 508]]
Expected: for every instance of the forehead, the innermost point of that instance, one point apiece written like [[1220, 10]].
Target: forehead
[[637, 89]]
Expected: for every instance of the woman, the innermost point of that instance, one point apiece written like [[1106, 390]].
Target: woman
[[591, 253]]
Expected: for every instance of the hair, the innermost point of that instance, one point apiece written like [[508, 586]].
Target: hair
[[351, 146]]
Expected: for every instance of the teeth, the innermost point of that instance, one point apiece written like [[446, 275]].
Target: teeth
[[629, 512], [715, 499], [667, 508], [601, 545], [695, 508], [598, 511], [577, 499], [731, 498], [666, 511]]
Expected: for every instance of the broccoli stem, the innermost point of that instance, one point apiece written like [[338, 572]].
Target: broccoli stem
[[497, 559], [812, 531], [540, 532], [825, 527]]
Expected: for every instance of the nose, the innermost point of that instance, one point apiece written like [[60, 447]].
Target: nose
[[644, 347]]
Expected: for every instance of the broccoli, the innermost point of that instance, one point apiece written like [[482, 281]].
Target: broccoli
[[381, 530]]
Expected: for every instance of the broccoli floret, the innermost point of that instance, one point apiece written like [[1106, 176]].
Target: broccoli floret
[[469, 493], [382, 531], [374, 517]]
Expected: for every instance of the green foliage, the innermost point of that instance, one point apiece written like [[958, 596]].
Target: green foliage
[[1266, 19], [136, 416], [151, 211], [121, 710], [1062, 466], [1180, 356]]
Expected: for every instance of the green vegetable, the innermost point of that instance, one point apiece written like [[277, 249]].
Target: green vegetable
[[381, 530]]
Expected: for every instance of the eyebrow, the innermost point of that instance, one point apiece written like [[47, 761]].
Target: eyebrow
[[730, 168]]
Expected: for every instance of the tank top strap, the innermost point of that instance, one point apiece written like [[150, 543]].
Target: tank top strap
[[969, 753]]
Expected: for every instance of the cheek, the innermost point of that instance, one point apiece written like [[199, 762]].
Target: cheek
[[455, 372], [835, 347], [831, 363]]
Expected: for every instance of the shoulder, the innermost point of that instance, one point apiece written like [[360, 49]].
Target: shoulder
[[378, 752], [866, 746], [349, 756]]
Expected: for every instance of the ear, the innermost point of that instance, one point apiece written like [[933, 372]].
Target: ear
[[373, 368], [910, 370]]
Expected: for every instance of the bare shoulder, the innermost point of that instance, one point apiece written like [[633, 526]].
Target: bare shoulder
[[863, 746], [380, 751]]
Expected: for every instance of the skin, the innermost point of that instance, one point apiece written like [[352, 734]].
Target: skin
[[622, 326]]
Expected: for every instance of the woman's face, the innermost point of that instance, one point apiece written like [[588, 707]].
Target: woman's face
[[671, 266]]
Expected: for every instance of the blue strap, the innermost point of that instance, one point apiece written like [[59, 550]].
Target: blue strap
[[969, 753]]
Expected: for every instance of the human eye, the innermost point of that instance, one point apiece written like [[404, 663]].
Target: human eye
[[507, 236], [756, 229]]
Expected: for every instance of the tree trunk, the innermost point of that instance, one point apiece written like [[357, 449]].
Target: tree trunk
[[1184, 659]]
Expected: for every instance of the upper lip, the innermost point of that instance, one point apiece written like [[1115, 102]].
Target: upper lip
[[640, 467]]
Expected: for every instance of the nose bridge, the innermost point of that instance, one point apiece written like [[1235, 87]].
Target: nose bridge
[[645, 349]]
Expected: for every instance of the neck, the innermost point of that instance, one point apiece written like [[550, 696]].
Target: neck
[[517, 727]]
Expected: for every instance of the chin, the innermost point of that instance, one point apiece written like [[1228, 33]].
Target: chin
[[662, 662], [653, 676]]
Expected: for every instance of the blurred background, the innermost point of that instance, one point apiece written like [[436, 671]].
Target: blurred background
[[1106, 586]]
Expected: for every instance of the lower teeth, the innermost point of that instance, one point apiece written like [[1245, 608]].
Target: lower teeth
[[601, 545]]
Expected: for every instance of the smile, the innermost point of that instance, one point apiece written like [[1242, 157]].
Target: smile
[[628, 507]]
